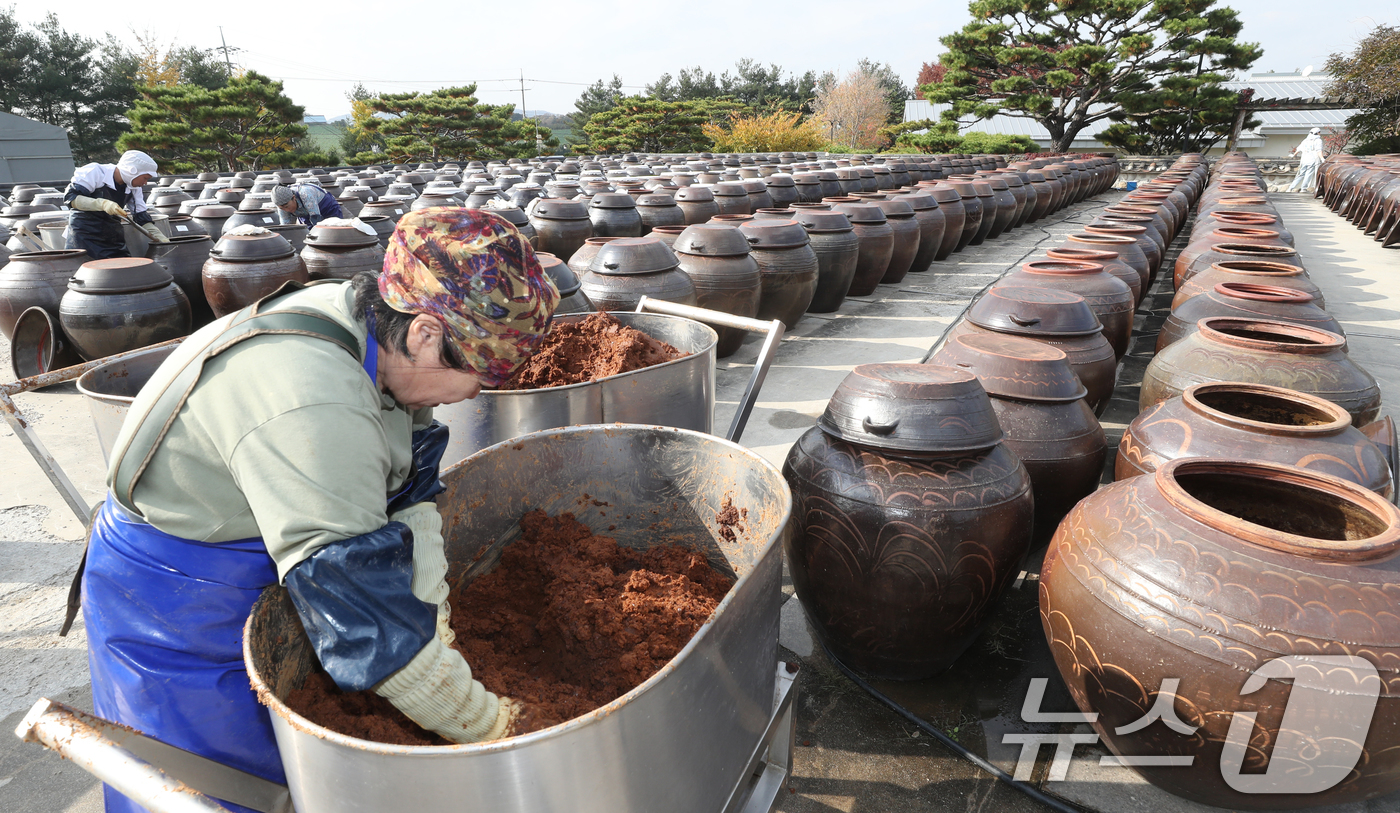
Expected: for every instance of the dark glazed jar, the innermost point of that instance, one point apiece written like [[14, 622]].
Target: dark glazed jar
[[1108, 297], [614, 214], [1258, 351], [1245, 300], [659, 209], [1040, 405], [561, 226], [972, 209], [628, 268], [341, 252], [720, 264], [954, 217], [697, 203], [184, 258], [122, 304], [781, 190], [583, 258], [1058, 318], [907, 234], [242, 269], [758, 195], [788, 266], [1205, 572], [1242, 421], [834, 241], [932, 226], [987, 201], [571, 296], [910, 518], [1005, 205], [35, 279], [809, 187], [731, 198], [876, 245]]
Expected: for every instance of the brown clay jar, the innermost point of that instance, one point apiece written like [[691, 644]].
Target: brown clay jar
[[1059, 318], [1246, 300], [1256, 271], [1109, 298], [834, 241], [1202, 241], [719, 262], [1137, 232], [876, 245], [1239, 421], [987, 200], [1004, 204], [972, 209], [1040, 405], [1126, 247], [561, 226], [1225, 252], [932, 226], [910, 518], [1258, 220], [954, 217], [1110, 262], [1259, 351], [243, 269], [1200, 574], [35, 279], [583, 258], [907, 234]]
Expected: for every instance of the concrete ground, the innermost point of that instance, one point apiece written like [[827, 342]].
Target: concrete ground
[[854, 754]]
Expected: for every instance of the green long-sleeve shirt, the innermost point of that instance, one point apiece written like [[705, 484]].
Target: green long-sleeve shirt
[[284, 437]]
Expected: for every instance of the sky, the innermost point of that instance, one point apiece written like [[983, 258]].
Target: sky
[[320, 50]]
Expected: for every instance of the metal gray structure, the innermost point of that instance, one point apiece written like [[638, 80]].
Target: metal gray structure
[[33, 151]]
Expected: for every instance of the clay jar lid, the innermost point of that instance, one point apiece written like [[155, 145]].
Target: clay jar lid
[[339, 237], [861, 212], [219, 209], [816, 221], [695, 194], [1268, 335], [656, 199], [629, 256], [713, 240], [561, 210], [120, 275], [1027, 311], [982, 188], [944, 193], [964, 189], [779, 179], [775, 234], [897, 209], [1013, 367], [247, 248], [912, 408], [613, 200], [560, 273], [754, 185], [729, 189]]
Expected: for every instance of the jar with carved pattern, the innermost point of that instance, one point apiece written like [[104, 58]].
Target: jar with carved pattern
[[911, 518], [1253, 604]]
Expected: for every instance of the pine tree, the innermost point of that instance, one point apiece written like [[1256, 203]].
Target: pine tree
[[644, 124], [235, 127], [1370, 77], [450, 124], [1070, 64]]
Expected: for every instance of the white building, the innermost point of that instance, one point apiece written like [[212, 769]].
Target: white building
[[1279, 131]]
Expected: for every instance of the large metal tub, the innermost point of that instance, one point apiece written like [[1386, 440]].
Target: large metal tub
[[679, 393], [110, 388], [681, 741]]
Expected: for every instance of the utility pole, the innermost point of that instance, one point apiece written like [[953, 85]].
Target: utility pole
[[522, 109], [227, 61]]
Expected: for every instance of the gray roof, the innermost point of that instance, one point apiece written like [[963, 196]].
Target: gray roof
[[1283, 89], [33, 151]]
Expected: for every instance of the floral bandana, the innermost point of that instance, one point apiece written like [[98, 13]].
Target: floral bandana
[[476, 273]]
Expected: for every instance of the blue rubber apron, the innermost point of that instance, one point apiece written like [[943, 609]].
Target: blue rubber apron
[[164, 619]]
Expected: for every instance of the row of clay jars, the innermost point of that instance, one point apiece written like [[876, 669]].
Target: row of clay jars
[[1245, 300], [1110, 299], [837, 248], [727, 277]]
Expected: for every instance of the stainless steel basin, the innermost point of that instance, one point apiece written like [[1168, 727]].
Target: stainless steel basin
[[679, 393], [681, 741], [110, 389]]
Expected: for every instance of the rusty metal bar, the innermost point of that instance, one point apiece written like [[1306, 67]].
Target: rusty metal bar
[[61, 729], [38, 382]]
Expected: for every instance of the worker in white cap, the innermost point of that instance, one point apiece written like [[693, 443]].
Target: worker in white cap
[[102, 196], [1310, 152]]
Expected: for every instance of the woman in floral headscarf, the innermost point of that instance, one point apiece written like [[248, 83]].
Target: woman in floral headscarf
[[262, 451]]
